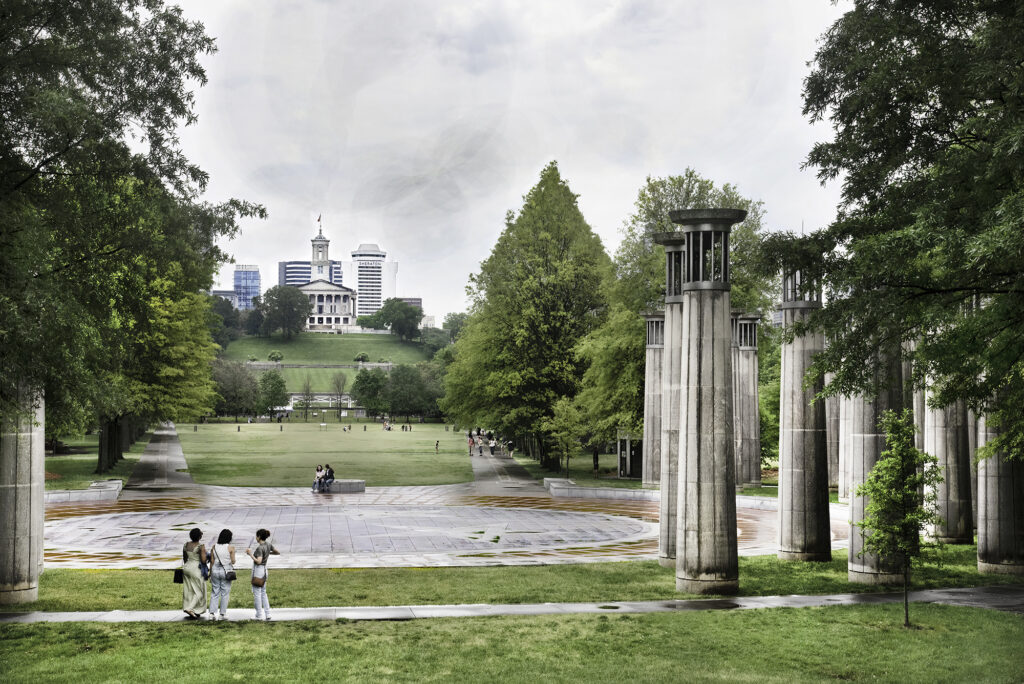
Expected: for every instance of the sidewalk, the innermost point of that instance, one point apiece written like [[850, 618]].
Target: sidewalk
[[1008, 598]]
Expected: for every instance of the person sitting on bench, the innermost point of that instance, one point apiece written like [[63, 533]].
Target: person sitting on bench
[[328, 478]]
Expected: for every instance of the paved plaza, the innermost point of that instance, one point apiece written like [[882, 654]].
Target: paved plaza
[[504, 517]]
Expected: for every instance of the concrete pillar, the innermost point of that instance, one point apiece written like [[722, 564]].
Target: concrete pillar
[[746, 413], [832, 437], [972, 449], [844, 448], [1000, 510], [671, 402], [945, 438], [652, 399], [804, 531], [698, 279], [22, 478], [867, 442]]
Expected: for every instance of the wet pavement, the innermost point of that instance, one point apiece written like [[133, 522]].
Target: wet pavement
[[1008, 598], [504, 517]]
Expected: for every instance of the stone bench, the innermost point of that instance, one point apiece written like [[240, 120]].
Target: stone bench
[[347, 486]]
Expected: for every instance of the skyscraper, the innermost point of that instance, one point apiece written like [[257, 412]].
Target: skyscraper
[[374, 278], [247, 285]]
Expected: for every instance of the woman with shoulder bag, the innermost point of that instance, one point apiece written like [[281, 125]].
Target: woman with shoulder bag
[[264, 550], [193, 589], [222, 574]]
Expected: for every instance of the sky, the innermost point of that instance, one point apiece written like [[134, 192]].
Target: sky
[[418, 124]]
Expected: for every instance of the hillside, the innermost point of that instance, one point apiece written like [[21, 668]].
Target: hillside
[[314, 348]]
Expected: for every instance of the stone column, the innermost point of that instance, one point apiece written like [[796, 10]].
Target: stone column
[[945, 438], [832, 436], [972, 449], [866, 444], [844, 448], [737, 429], [804, 531], [1000, 510], [652, 399], [746, 413], [22, 478], [706, 558], [671, 402]]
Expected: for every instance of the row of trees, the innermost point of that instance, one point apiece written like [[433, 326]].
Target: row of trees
[[552, 350], [406, 391], [104, 247]]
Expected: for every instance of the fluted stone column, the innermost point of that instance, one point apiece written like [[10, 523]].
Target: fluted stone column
[[972, 449], [698, 278], [652, 399], [1000, 510], [746, 413], [804, 531], [22, 481], [945, 438], [867, 442], [671, 403], [832, 436], [844, 448]]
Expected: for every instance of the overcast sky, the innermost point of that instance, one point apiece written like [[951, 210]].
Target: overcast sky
[[417, 125]]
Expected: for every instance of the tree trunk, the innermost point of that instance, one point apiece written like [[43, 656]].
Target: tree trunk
[[906, 592]]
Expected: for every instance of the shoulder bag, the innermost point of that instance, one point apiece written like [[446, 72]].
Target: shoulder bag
[[229, 575], [179, 576]]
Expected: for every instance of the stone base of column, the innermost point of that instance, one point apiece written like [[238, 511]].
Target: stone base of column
[[874, 577], [14, 596], [694, 586], [955, 540], [1000, 568], [816, 556], [667, 562], [652, 485]]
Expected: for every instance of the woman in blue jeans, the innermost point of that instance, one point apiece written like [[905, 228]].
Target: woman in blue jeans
[[222, 561], [264, 550]]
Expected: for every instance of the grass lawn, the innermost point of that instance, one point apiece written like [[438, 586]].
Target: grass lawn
[[581, 470], [78, 470], [263, 455], [96, 590], [774, 645], [321, 348], [319, 378], [774, 492]]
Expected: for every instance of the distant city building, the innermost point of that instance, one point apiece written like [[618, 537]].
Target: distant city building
[[319, 267], [247, 286], [228, 295], [334, 306], [374, 278], [428, 322]]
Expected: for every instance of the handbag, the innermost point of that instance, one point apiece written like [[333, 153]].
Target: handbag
[[229, 575], [258, 580], [179, 576]]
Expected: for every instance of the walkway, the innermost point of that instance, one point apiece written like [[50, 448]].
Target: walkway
[[1008, 598]]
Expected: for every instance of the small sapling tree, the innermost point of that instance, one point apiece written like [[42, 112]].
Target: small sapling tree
[[896, 512], [565, 429]]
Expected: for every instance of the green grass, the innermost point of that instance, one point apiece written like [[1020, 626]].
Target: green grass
[[78, 471], [581, 470], [774, 493], [96, 590], [319, 378], [772, 645], [322, 348], [262, 455]]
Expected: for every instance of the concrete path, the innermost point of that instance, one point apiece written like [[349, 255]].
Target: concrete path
[[162, 465], [1008, 598]]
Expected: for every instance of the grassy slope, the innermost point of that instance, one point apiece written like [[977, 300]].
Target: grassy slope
[[321, 348], [90, 590], [263, 455], [778, 645], [581, 471], [77, 471]]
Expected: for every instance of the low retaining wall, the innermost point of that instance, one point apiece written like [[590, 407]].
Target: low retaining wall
[[103, 490]]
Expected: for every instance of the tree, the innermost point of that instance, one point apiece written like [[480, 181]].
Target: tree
[[433, 339], [237, 387], [307, 397], [370, 390], [338, 382], [928, 245], [252, 319], [537, 294], [275, 355], [362, 357], [273, 392], [405, 392], [614, 353], [372, 321], [895, 513], [565, 429], [453, 323], [285, 308], [403, 319]]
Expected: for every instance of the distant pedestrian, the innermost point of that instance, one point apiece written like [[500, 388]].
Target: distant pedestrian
[[364, 428], [470, 440], [437, 447], [491, 445]]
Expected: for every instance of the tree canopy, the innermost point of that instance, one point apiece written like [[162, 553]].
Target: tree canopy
[[536, 295], [284, 308], [926, 254]]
